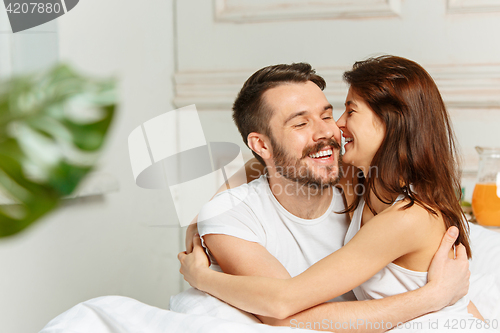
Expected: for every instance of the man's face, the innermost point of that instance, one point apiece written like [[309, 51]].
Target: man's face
[[304, 136]]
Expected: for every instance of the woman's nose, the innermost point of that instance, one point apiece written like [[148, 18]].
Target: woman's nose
[[341, 121]]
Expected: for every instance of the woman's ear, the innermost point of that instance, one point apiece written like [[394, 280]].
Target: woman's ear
[[259, 143]]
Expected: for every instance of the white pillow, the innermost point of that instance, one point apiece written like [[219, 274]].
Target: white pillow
[[193, 301], [485, 246], [484, 292], [485, 271]]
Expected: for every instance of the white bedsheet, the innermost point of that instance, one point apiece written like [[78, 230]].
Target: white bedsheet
[[485, 272], [117, 314]]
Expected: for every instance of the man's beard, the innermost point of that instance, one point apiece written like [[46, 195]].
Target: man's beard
[[295, 169]]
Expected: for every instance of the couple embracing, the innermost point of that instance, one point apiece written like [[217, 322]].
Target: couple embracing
[[382, 222]]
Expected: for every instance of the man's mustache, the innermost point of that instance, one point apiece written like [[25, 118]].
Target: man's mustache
[[320, 145]]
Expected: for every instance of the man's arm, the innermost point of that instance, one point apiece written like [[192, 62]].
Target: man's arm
[[448, 282]]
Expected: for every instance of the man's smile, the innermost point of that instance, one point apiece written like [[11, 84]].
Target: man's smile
[[324, 153], [324, 157]]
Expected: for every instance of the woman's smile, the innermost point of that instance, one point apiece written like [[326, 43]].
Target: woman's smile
[[362, 130]]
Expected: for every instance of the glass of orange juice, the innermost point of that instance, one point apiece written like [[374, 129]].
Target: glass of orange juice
[[486, 195]]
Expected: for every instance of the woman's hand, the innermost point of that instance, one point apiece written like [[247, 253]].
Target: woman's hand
[[195, 264]]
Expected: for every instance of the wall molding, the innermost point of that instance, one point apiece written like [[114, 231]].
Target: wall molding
[[241, 11], [462, 86], [473, 6]]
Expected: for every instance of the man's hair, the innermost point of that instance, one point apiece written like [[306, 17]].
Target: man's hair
[[418, 157], [250, 112]]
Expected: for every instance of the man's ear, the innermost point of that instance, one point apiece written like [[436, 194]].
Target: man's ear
[[259, 143]]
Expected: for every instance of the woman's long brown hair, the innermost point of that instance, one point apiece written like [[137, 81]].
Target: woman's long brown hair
[[418, 156]]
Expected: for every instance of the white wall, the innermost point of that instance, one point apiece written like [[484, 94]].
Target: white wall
[[109, 245], [112, 244], [17, 50], [221, 42], [428, 31]]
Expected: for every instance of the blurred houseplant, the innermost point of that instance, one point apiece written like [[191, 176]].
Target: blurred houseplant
[[52, 126]]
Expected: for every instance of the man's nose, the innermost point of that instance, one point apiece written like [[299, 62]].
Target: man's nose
[[326, 130]]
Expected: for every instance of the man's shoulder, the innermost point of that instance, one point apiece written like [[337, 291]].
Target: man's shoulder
[[243, 197]]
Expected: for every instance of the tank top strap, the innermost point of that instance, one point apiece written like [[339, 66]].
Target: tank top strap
[[402, 196], [399, 198]]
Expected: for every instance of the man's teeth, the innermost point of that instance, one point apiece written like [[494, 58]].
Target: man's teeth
[[321, 153]]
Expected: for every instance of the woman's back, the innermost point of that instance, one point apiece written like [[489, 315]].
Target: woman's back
[[397, 279]]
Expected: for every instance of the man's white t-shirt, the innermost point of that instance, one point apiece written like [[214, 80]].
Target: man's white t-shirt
[[252, 213]]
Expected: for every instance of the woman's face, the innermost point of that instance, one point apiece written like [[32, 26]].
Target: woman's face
[[363, 131]]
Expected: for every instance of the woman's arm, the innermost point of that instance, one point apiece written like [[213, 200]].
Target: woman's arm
[[252, 170], [448, 281], [385, 238]]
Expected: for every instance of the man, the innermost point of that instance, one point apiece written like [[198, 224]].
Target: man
[[286, 221]]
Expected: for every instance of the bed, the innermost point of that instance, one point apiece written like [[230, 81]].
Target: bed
[[193, 311]]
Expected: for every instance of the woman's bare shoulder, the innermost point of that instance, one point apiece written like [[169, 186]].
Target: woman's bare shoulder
[[420, 229], [414, 219]]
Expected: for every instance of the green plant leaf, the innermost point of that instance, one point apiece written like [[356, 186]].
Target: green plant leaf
[[52, 126]]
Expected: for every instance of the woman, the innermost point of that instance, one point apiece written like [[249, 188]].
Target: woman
[[399, 135]]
